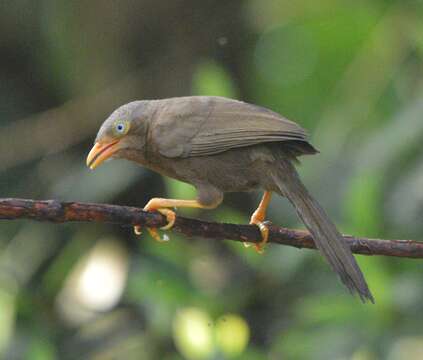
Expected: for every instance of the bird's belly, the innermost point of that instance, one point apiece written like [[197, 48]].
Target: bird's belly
[[236, 170], [232, 178], [232, 171]]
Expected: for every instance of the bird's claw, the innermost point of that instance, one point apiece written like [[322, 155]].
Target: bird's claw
[[264, 230], [170, 217], [137, 230]]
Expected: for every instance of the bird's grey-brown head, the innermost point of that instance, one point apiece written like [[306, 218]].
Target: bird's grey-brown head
[[123, 130]]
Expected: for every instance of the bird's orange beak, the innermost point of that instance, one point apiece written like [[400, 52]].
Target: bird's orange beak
[[101, 152]]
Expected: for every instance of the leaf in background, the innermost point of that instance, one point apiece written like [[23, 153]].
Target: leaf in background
[[212, 79], [363, 205]]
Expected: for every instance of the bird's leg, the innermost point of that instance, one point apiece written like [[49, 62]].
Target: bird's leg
[[162, 206], [258, 218]]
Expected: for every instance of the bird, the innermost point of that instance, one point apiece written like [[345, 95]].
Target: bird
[[221, 145]]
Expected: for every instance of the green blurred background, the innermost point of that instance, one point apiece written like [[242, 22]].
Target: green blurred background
[[349, 72]]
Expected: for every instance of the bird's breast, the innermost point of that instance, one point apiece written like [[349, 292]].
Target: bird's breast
[[236, 170]]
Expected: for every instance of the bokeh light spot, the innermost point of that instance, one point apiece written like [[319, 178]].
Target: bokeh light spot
[[193, 334], [232, 335]]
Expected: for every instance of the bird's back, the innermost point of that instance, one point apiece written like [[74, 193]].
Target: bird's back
[[207, 125]]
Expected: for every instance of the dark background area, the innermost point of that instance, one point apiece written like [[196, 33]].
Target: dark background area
[[349, 72]]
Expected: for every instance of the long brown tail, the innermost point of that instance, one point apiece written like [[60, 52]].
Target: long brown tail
[[326, 236]]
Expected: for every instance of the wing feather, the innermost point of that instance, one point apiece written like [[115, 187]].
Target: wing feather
[[201, 126]]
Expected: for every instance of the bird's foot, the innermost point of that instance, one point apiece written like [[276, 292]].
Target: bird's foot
[[264, 230], [170, 217], [258, 219]]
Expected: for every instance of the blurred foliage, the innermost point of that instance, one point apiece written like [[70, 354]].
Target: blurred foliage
[[349, 72]]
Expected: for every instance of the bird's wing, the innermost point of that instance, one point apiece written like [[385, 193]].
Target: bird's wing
[[200, 126]]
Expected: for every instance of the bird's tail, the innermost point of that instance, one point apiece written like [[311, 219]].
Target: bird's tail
[[326, 236]]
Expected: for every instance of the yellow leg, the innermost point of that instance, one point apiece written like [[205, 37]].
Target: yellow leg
[[162, 205], [258, 218]]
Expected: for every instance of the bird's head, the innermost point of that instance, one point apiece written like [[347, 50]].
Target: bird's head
[[124, 130]]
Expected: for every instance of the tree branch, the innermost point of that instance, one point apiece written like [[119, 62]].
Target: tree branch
[[59, 212]]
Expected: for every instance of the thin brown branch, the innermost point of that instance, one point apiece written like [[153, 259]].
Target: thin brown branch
[[59, 212]]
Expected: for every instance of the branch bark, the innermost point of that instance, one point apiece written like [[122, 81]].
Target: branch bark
[[60, 212]]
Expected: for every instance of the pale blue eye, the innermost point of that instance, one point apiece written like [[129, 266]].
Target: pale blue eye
[[120, 128]]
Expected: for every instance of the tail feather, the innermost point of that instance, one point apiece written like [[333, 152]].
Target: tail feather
[[326, 236]]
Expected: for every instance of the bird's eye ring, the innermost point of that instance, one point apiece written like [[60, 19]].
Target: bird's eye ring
[[121, 127]]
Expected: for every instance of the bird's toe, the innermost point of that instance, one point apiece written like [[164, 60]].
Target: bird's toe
[[137, 230], [264, 230], [170, 217]]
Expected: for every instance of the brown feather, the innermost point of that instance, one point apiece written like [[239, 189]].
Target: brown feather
[[212, 125]]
